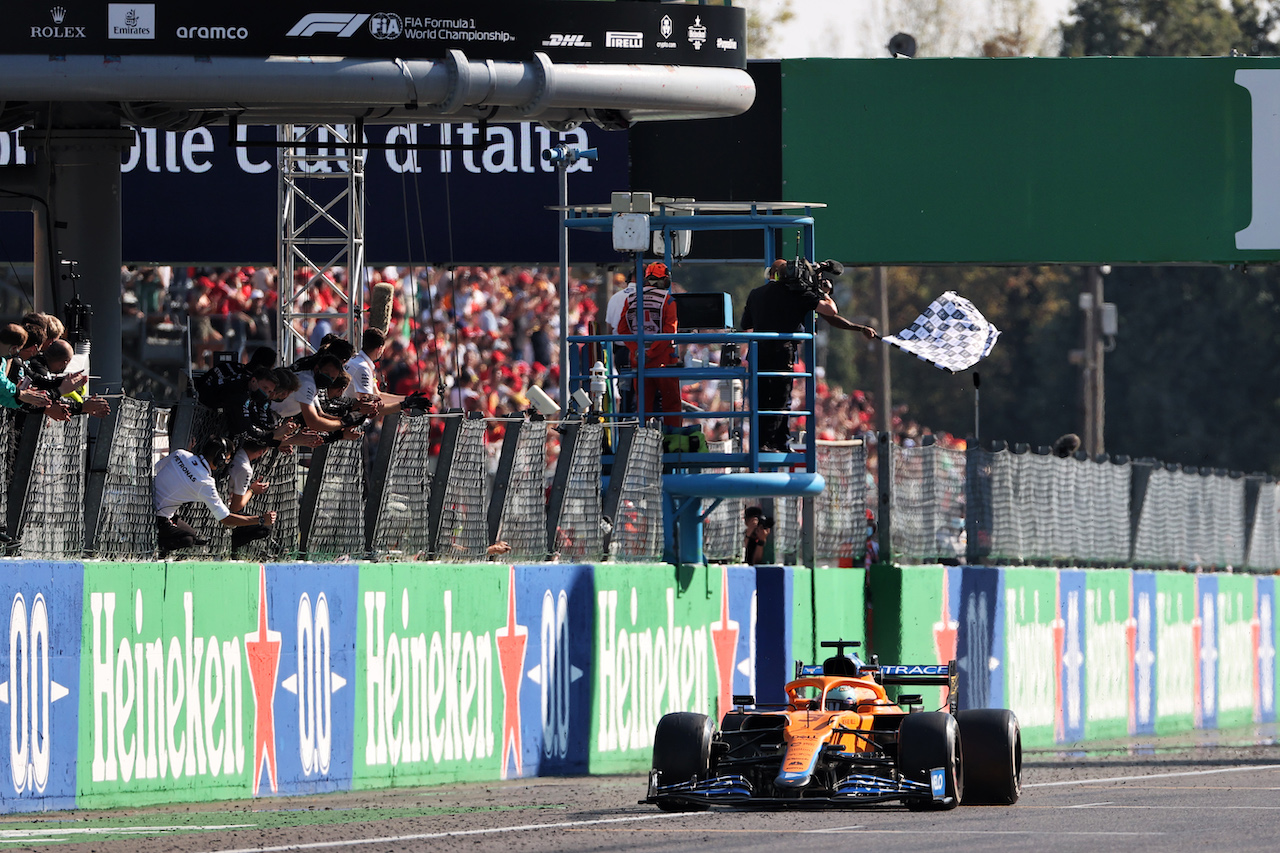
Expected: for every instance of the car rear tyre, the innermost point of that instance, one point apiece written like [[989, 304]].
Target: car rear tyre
[[991, 748], [682, 752], [927, 741]]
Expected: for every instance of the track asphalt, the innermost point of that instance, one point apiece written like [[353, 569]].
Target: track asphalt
[[1203, 791]]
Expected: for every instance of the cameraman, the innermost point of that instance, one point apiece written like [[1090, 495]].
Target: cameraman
[[781, 305]]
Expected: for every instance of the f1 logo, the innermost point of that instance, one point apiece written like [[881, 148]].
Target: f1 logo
[[340, 23]]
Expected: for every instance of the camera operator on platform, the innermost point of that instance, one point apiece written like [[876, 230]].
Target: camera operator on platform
[[781, 305]]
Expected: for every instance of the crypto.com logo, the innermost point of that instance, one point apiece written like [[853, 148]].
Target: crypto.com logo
[[341, 24]]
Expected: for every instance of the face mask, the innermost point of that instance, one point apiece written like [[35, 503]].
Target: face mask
[[259, 396], [323, 380]]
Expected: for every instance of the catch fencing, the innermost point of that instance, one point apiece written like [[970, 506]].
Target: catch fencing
[[440, 488], [462, 489]]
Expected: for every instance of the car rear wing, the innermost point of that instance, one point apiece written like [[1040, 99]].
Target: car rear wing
[[942, 675]]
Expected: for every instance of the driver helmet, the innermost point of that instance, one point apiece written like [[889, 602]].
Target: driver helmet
[[842, 698]]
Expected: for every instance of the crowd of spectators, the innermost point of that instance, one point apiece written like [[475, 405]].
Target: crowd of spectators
[[476, 338], [470, 338]]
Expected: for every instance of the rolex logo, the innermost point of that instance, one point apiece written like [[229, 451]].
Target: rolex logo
[[58, 31]]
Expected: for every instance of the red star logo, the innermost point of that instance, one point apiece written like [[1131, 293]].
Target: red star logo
[[511, 640], [724, 639], [263, 648], [945, 634]]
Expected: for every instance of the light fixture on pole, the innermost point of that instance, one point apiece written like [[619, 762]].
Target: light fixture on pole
[[563, 157]]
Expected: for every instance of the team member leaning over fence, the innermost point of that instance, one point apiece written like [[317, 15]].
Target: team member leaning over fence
[[322, 373], [185, 477], [12, 339], [243, 487], [251, 418], [211, 385], [363, 369], [45, 372]]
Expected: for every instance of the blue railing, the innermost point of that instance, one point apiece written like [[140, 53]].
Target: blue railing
[[580, 363]]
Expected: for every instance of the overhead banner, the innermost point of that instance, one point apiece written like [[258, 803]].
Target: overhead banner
[[1037, 160], [565, 30], [190, 197]]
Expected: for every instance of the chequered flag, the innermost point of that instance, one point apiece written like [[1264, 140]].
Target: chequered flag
[[950, 334]]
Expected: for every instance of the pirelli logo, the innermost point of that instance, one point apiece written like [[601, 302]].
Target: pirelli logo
[[632, 40]]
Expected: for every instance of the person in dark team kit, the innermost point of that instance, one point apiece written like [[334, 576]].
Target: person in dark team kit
[[777, 306]]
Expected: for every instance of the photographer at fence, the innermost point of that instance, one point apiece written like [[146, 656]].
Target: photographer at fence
[[758, 528], [781, 305], [185, 477]]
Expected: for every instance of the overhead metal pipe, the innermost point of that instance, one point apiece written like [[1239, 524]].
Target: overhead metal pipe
[[383, 91]]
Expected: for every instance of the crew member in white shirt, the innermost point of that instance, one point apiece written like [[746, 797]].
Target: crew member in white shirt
[[363, 369], [242, 487], [183, 477], [304, 401]]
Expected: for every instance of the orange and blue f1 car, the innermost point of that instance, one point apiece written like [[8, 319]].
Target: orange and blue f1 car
[[841, 740]]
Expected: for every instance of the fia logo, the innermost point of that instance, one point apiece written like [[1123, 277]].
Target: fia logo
[[386, 25]]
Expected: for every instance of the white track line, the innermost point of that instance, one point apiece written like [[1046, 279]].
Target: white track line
[[951, 832], [425, 836], [1254, 767]]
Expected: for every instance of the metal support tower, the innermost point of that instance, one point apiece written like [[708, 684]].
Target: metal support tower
[[321, 207]]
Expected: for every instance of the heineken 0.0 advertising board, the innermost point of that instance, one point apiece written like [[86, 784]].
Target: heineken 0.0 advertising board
[[1031, 160], [208, 681], [665, 640], [437, 696]]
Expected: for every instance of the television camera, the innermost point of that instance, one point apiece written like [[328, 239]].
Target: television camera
[[803, 275]]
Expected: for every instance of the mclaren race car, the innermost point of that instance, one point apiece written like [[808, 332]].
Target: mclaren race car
[[840, 740]]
